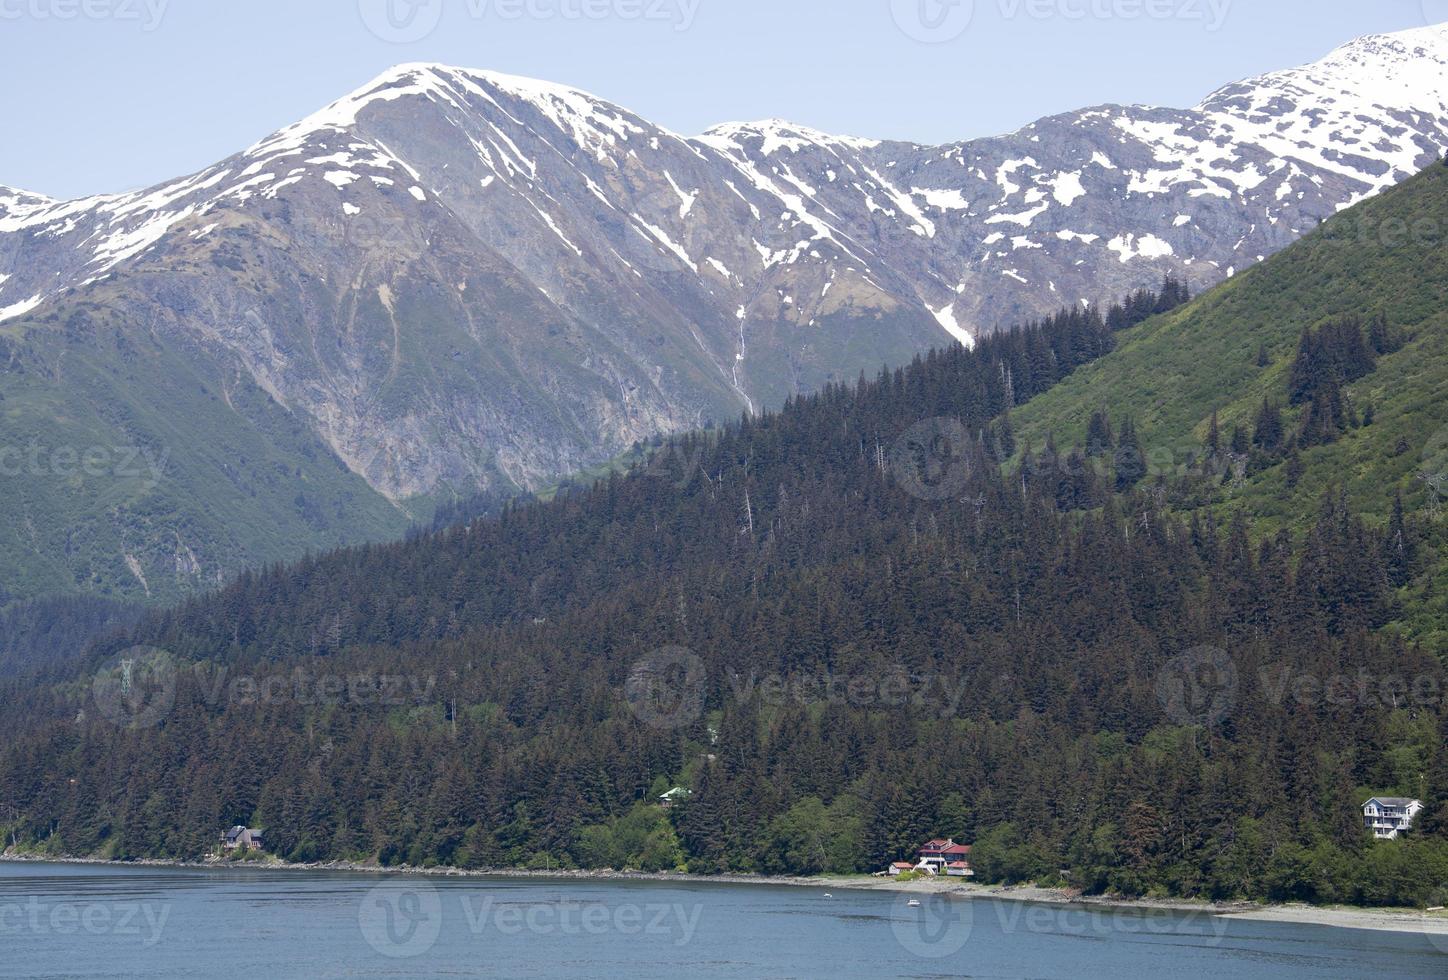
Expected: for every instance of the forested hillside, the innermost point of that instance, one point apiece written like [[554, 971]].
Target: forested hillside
[[47, 636], [1364, 406], [843, 627]]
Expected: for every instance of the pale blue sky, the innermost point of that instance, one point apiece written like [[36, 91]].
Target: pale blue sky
[[112, 97]]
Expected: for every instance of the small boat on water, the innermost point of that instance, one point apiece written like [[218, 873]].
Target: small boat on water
[[914, 903]]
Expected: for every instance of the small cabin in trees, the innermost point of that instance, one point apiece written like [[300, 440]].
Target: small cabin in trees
[[242, 839], [676, 795]]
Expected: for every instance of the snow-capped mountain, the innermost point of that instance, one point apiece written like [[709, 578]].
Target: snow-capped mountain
[[462, 279]]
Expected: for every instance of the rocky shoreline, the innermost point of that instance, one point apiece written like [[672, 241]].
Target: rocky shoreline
[[1341, 917]]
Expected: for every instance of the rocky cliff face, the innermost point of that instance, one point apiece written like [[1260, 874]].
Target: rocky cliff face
[[456, 279]]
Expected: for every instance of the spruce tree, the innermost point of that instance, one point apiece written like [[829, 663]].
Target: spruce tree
[[1267, 434], [1130, 458], [1240, 443], [1099, 438], [1399, 549]]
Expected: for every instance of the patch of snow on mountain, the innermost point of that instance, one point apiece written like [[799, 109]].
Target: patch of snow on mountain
[[1024, 218], [1067, 188], [945, 316], [16, 309], [944, 200], [548, 220], [686, 201], [923, 226], [1006, 172], [668, 243], [1129, 247]]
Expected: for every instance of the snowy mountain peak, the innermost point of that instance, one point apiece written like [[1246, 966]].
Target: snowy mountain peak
[[1367, 70], [771, 135], [1347, 114], [13, 195], [530, 89], [1400, 46], [14, 201], [750, 201], [655, 282], [460, 94]]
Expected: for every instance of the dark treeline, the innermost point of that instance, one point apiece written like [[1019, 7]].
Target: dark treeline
[[1328, 359], [465, 510], [47, 636], [1144, 304], [894, 641], [1338, 353]]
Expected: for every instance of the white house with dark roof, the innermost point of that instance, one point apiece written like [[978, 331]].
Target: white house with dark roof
[[1389, 816]]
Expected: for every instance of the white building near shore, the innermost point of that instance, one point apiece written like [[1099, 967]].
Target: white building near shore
[[1390, 816]]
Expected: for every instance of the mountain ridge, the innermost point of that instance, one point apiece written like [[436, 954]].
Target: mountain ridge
[[450, 282], [1426, 48]]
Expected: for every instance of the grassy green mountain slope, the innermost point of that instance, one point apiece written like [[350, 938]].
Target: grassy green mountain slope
[[1387, 256], [134, 470]]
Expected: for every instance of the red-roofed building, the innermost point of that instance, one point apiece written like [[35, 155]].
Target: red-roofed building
[[945, 856]]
